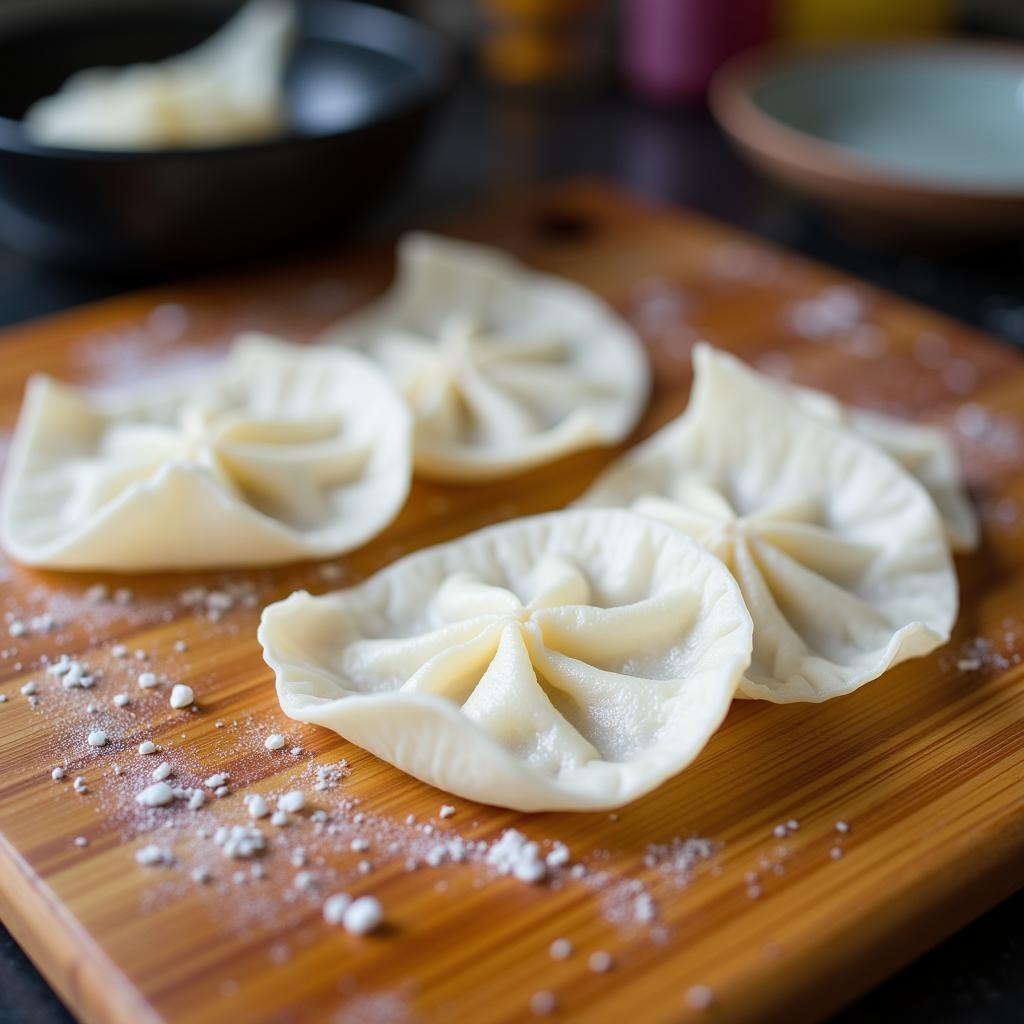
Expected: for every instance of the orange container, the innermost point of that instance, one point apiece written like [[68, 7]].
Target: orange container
[[533, 42]]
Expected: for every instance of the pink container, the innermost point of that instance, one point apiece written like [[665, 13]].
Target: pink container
[[671, 48]]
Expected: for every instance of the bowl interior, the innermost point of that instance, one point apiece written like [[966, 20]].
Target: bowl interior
[[943, 117], [352, 64]]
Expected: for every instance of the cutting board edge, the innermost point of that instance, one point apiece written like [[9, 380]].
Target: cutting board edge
[[81, 974], [931, 921]]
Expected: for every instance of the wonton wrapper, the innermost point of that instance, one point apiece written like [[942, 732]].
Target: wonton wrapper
[[839, 552], [279, 452], [925, 451], [229, 89], [568, 661], [504, 368]]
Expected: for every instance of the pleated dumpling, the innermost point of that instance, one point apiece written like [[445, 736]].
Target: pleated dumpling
[[504, 368], [278, 452], [839, 552], [568, 661], [924, 451]]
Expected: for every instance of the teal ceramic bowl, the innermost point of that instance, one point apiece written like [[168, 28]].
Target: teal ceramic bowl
[[915, 137]]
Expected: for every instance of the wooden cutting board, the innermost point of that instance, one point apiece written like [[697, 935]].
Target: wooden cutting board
[[925, 765]]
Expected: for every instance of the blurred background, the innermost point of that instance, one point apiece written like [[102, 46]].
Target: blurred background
[[552, 88], [548, 89]]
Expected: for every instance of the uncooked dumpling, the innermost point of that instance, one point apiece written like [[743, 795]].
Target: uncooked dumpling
[[504, 368], [923, 450], [839, 552], [568, 661], [229, 89], [279, 452]]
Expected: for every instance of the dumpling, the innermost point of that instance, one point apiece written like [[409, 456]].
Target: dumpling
[[925, 451], [839, 552], [277, 453], [571, 661], [504, 368], [228, 89]]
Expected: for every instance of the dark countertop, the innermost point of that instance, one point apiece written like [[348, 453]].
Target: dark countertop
[[484, 140]]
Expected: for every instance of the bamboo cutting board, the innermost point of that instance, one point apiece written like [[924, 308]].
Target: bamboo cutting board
[[925, 765]]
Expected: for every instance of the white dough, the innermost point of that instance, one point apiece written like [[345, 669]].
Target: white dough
[[923, 450], [228, 89], [840, 553], [278, 452], [568, 661], [504, 368]]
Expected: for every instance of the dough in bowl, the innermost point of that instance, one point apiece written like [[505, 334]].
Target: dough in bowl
[[570, 661], [504, 368], [276, 453], [227, 90], [839, 551]]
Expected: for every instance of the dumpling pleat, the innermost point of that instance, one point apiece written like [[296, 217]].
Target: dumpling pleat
[[464, 595], [406, 353], [617, 713], [605, 636], [512, 707], [85, 485], [292, 482], [700, 527], [699, 496], [498, 417], [434, 662], [833, 622], [840, 559], [803, 511], [548, 349], [541, 384], [557, 581], [780, 655]]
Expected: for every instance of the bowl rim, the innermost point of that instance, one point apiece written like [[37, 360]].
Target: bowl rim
[[731, 98], [435, 65]]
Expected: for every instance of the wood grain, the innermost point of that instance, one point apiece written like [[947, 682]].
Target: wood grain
[[926, 764]]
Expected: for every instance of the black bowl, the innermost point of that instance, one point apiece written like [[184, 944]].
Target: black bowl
[[361, 85]]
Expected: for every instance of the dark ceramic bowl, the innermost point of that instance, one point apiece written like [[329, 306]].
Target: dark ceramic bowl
[[361, 85]]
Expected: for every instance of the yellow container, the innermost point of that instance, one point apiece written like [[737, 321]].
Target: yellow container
[[837, 20]]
